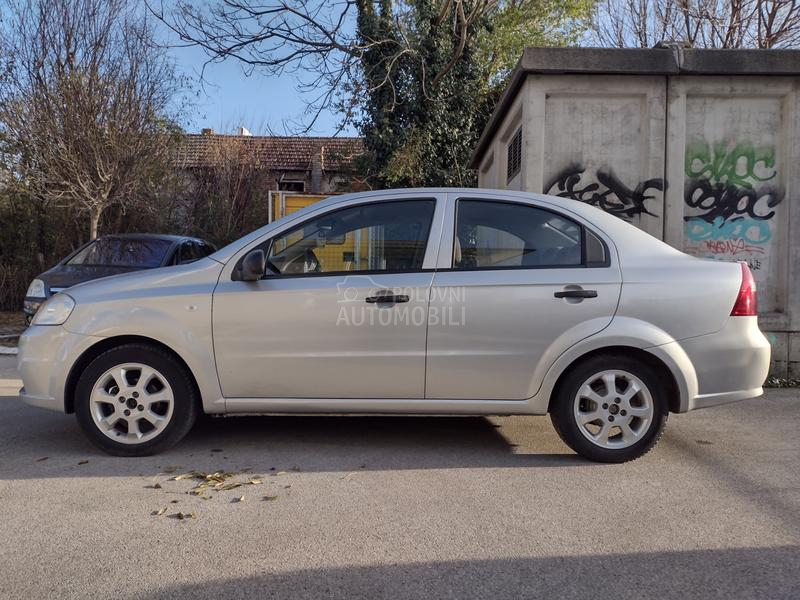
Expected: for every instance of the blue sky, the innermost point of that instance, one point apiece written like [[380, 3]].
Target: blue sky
[[231, 99]]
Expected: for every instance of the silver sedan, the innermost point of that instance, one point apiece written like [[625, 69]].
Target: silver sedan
[[427, 301]]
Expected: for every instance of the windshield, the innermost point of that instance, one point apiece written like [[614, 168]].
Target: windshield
[[117, 252]]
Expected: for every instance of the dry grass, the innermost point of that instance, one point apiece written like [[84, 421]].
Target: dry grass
[[11, 323]]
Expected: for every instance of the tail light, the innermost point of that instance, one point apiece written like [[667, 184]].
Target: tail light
[[746, 302]]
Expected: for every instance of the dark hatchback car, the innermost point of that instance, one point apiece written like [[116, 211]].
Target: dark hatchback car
[[112, 255]]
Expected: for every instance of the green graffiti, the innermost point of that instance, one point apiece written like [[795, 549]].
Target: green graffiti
[[740, 165]]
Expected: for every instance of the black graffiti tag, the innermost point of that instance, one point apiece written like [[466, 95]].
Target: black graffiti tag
[[727, 200], [608, 192]]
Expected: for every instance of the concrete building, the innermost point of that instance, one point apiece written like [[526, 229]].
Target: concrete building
[[700, 148]]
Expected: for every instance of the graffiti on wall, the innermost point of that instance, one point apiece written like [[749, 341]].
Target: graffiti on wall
[[731, 193], [605, 190]]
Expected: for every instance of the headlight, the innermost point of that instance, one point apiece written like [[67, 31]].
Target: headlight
[[55, 311], [36, 289]]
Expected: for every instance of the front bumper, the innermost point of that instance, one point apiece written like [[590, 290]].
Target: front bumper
[[45, 356]]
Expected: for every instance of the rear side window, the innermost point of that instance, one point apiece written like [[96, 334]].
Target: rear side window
[[496, 235]]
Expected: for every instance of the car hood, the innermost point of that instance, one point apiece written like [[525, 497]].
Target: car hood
[[198, 276], [64, 276]]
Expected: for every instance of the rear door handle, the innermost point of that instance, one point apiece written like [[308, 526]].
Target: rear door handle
[[387, 297], [576, 294]]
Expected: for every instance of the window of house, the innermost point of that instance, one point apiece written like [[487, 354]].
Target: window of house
[[499, 235], [514, 163], [384, 236], [290, 185]]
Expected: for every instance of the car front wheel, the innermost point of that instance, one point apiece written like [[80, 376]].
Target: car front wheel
[[135, 400], [610, 409]]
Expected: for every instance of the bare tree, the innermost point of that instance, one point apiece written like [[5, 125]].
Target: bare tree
[[85, 95], [317, 39], [698, 23], [221, 191]]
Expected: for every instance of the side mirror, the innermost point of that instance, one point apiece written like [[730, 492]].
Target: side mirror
[[253, 265]]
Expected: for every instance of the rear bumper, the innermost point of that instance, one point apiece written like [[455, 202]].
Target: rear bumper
[[731, 364]]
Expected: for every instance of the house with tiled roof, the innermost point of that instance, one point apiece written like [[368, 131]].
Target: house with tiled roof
[[311, 165]]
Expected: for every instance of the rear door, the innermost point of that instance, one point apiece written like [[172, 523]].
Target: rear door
[[518, 284]]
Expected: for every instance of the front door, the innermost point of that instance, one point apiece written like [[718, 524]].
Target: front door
[[342, 312], [524, 284]]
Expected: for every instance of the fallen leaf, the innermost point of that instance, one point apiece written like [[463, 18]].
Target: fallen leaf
[[41, 459], [286, 487], [173, 501], [279, 473], [295, 468], [239, 499], [183, 476], [155, 486], [182, 516], [255, 481], [159, 512], [270, 498], [82, 462], [224, 487]]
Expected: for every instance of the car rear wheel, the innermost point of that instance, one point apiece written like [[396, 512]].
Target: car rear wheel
[[135, 400], [610, 409]]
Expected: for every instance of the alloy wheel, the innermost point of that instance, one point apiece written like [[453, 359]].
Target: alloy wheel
[[131, 403], [613, 409]]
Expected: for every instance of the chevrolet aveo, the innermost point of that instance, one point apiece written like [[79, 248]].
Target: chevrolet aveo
[[430, 301]]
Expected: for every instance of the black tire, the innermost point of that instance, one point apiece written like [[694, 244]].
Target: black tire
[[186, 404], [562, 412]]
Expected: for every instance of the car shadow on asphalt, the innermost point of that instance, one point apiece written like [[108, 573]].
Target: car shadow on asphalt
[[714, 573], [307, 443]]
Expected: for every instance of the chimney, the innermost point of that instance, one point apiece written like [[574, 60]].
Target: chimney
[[243, 131], [316, 170], [207, 131]]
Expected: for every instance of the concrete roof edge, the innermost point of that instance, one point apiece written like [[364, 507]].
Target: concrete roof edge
[[668, 61]]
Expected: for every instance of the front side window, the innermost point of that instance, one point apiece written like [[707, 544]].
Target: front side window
[[187, 253], [384, 236], [505, 235]]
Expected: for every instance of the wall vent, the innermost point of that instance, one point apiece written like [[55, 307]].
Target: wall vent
[[514, 163]]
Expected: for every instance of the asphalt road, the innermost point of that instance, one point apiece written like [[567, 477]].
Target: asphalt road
[[404, 508]]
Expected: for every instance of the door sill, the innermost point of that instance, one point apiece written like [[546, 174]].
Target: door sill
[[377, 406]]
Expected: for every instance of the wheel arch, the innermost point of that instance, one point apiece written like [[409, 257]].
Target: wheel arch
[[650, 359], [105, 344]]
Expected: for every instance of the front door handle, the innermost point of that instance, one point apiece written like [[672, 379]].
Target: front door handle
[[387, 297], [576, 294]]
